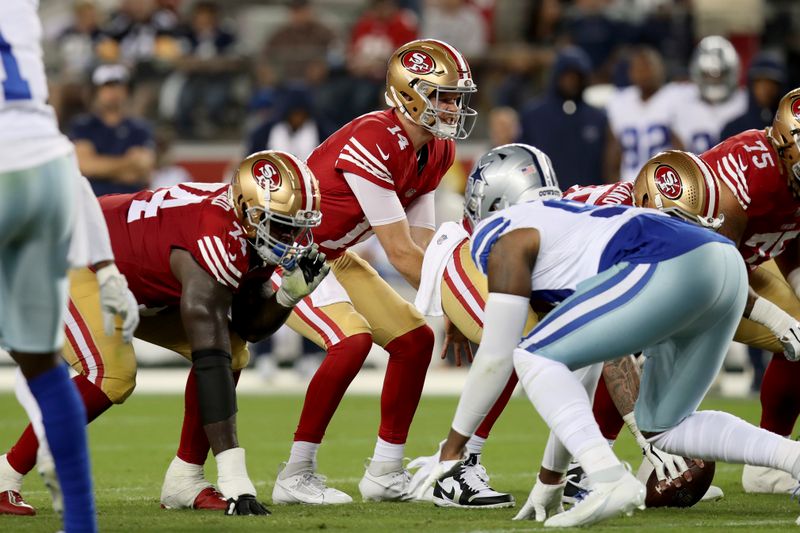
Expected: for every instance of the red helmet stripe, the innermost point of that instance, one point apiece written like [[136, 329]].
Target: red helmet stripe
[[463, 67], [306, 193], [712, 187]]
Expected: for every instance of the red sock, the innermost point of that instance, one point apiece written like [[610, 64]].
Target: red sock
[[780, 401], [193, 447], [605, 412], [409, 357], [330, 382], [22, 456], [486, 426]]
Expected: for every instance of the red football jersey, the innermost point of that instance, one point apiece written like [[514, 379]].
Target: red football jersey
[[749, 166], [374, 147], [196, 217], [614, 194]]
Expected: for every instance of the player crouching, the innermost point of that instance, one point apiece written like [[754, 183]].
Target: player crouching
[[186, 252]]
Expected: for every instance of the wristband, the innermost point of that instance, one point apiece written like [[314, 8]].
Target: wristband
[[771, 316]]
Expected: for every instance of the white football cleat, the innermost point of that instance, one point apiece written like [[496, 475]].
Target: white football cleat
[[298, 483], [385, 482], [185, 487], [466, 485], [605, 500], [47, 470], [765, 480], [713, 494]]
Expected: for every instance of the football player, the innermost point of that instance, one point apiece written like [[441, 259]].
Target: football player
[[377, 176], [642, 283], [187, 252], [39, 185], [714, 97], [505, 176]]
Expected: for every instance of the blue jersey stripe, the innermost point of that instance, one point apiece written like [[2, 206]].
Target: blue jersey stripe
[[483, 241]]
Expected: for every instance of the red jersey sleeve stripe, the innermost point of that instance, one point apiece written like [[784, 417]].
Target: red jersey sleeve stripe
[[371, 157]]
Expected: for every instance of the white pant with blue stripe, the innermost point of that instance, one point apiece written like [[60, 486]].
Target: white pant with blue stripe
[[682, 313]]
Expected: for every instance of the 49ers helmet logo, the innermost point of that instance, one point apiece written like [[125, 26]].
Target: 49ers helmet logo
[[267, 175], [668, 182], [418, 62], [796, 108]]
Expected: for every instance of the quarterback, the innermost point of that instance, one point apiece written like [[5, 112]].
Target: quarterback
[[187, 252], [377, 175]]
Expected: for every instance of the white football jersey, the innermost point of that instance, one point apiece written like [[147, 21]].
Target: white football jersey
[[29, 133], [642, 128], [698, 124]]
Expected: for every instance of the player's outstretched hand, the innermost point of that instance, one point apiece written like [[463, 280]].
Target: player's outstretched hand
[[117, 300], [427, 472], [297, 283], [453, 337], [791, 342], [666, 465], [245, 504], [543, 502]]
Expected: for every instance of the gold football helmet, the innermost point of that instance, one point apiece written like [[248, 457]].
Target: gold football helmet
[[276, 198], [682, 185], [420, 76], [785, 136]]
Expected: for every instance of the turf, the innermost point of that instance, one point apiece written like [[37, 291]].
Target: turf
[[133, 444]]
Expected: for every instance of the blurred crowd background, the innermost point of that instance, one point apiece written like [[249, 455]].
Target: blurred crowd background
[[156, 92]]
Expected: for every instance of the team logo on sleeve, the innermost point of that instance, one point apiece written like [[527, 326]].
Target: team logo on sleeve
[[796, 108], [418, 62], [668, 182], [267, 175]]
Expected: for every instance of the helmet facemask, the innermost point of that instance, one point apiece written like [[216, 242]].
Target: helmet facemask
[[280, 238], [442, 122]]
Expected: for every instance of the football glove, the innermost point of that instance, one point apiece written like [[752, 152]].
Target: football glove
[[117, 299], [543, 502], [791, 342], [301, 280], [428, 470], [245, 504], [780, 323], [666, 465]]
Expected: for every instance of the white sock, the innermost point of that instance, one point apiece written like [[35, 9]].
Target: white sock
[[303, 452], [562, 402], [475, 444], [556, 457], [718, 436], [386, 452]]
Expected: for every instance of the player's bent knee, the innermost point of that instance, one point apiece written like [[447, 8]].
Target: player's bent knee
[[418, 341], [119, 388]]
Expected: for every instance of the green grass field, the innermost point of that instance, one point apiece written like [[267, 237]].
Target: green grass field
[[133, 444]]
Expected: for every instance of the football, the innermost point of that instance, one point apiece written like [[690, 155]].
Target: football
[[683, 491]]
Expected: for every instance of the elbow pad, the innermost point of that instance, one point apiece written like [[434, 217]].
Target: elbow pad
[[216, 389]]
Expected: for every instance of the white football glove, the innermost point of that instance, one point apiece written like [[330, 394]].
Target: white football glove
[[428, 470], [666, 465], [309, 271], [791, 342], [543, 502], [780, 323], [117, 299]]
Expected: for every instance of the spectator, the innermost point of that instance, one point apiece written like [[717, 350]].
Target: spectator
[[298, 50], [114, 150], [381, 29], [77, 42], [296, 129], [167, 173], [766, 80], [503, 126], [591, 29], [209, 67], [458, 23], [564, 126], [641, 116]]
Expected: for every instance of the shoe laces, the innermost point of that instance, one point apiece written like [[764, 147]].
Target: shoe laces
[[475, 477], [313, 481]]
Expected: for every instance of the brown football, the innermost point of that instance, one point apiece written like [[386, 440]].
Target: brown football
[[684, 491]]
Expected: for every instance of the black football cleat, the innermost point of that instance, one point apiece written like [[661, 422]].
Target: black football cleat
[[466, 485]]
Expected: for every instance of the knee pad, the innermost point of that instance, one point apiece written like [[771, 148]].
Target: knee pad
[[216, 389]]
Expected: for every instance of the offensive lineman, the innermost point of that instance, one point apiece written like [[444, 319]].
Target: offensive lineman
[[187, 253], [377, 175]]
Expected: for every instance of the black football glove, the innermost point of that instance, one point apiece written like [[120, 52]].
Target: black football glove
[[301, 281], [311, 262], [245, 505]]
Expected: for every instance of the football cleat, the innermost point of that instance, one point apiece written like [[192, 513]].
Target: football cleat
[[576, 488], [604, 500], [47, 470], [385, 482], [713, 494], [11, 502], [185, 487], [765, 480], [466, 485], [298, 483]]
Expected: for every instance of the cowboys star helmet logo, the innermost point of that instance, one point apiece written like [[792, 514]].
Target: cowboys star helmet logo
[[266, 175], [418, 62], [796, 108], [668, 182]]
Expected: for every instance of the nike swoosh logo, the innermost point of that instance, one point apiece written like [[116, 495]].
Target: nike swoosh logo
[[450, 495], [742, 165], [383, 156]]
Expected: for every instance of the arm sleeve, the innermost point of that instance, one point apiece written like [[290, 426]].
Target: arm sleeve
[[503, 325], [381, 206], [422, 212], [90, 241]]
